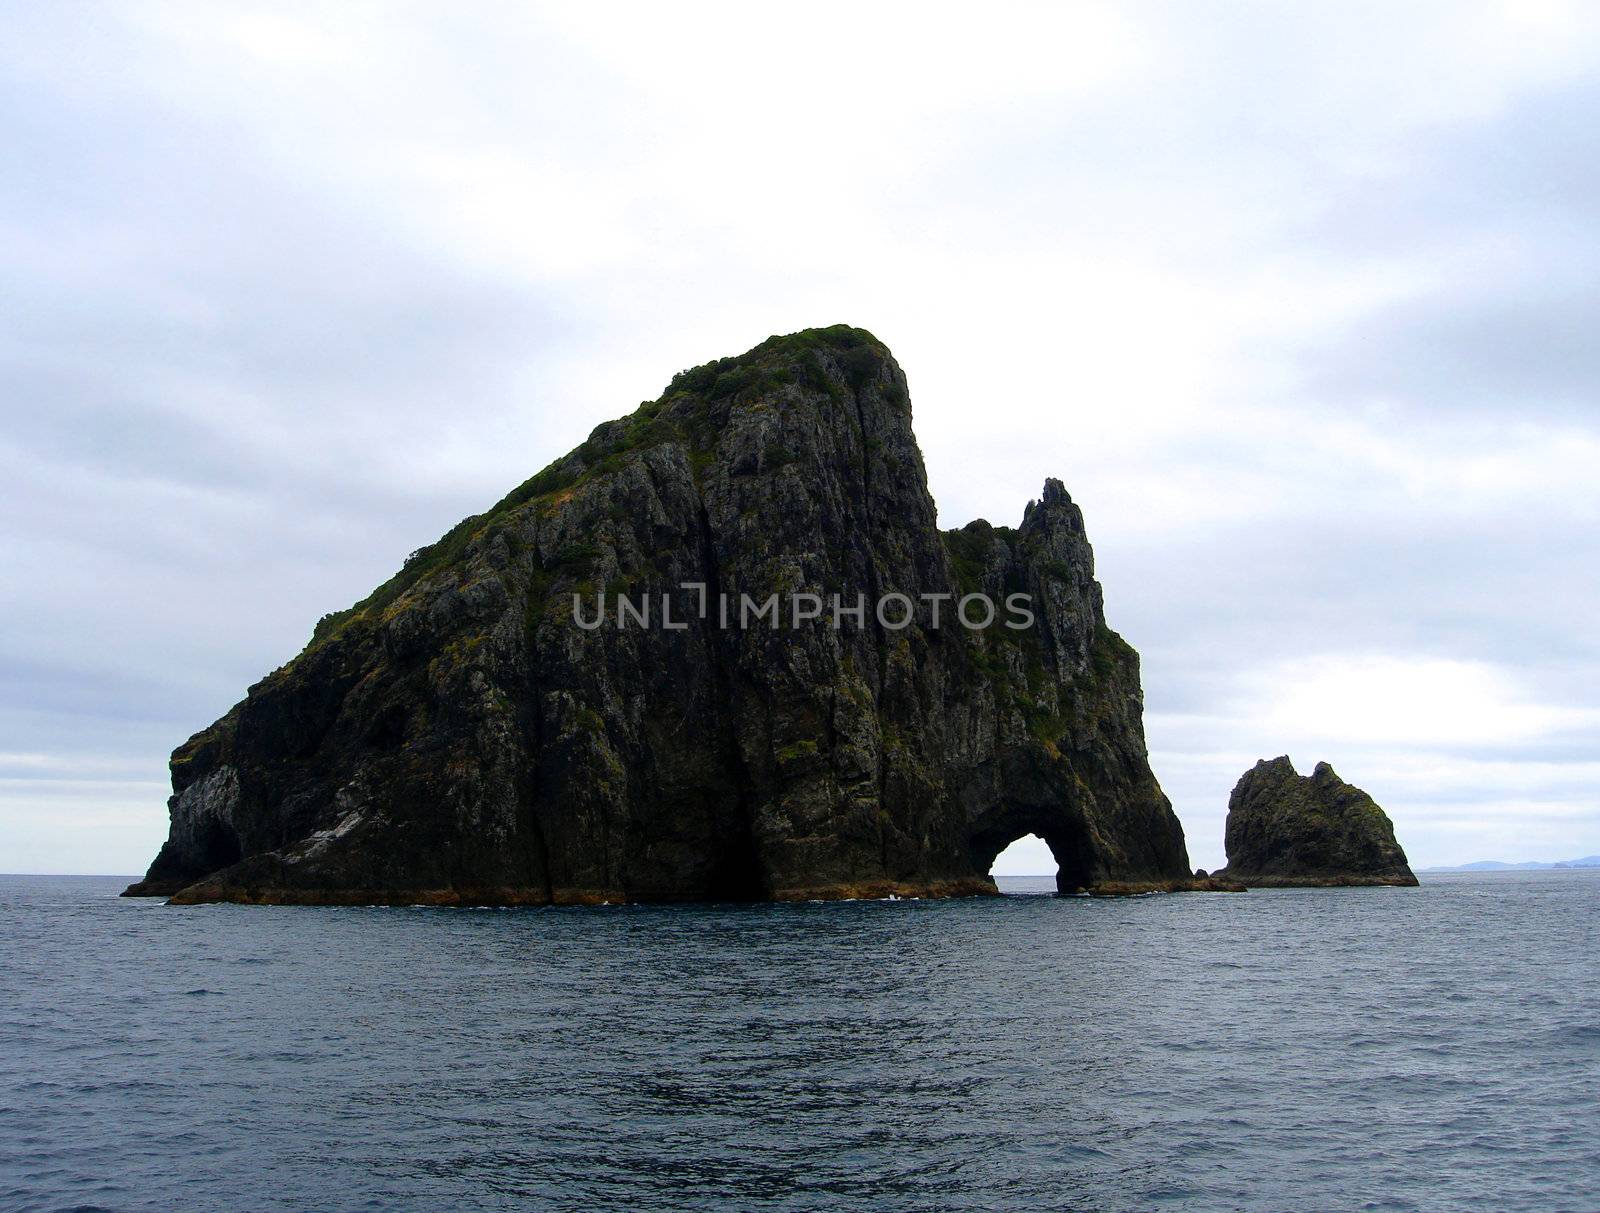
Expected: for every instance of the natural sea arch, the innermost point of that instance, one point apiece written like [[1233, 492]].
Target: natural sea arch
[[1032, 849]]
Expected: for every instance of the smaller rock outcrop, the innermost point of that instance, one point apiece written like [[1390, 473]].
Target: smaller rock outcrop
[[1285, 829]]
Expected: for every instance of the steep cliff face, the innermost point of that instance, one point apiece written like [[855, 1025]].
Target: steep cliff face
[[1288, 829], [459, 737]]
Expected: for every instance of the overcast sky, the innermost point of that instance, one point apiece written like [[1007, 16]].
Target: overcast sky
[[1298, 300]]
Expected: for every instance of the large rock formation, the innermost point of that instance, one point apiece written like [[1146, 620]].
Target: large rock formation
[[457, 737], [1285, 828]]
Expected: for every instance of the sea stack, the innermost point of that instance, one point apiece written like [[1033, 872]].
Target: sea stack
[[1285, 829], [463, 735]]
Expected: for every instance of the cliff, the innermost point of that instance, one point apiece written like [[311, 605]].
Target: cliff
[[459, 737], [1285, 828]]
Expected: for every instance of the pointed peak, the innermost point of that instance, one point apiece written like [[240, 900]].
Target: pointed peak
[[1054, 502]]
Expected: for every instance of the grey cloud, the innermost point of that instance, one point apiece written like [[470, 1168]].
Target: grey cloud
[[1524, 349], [230, 366], [1511, 209]]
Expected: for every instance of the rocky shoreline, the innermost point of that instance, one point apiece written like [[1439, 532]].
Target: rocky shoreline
[[203, 892]]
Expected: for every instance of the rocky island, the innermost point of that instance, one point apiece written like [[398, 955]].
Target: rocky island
[[464, 735], [1288, 829]]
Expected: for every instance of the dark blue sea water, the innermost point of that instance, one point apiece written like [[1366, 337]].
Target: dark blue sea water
[[1435, 1048]]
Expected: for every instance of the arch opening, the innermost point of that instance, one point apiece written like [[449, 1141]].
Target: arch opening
[[1057, 847], [1025, 866]]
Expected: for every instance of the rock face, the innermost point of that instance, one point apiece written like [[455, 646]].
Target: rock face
[[457, 737], [1288, 829]]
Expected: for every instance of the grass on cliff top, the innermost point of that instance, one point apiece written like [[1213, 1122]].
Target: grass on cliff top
[[790, 358], [719, 378]]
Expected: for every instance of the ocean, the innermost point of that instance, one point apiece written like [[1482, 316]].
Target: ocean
[[1432, 1049]]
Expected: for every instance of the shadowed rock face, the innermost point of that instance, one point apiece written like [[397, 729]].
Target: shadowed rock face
[[457, 738], [1288, 829]]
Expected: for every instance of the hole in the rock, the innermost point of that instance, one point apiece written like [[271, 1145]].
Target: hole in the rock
[[1026, 866]]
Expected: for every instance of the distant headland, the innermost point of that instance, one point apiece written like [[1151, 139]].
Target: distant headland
[[1495, 865]]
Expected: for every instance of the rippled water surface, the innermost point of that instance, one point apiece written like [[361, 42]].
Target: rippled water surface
[[1434, 1048]]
